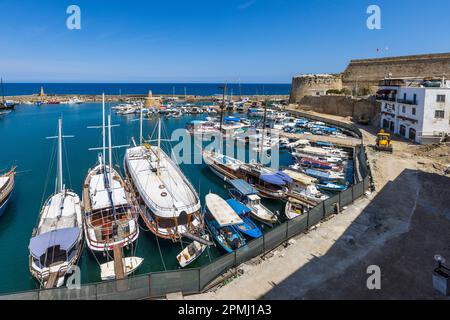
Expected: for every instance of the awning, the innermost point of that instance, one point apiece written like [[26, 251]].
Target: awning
[[238, 207], [386, 91], [273, 179], [243, 187], [221, 211], [64, 238]]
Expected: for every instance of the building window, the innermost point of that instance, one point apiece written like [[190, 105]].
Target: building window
[[404, 109], [414, 111], [440, 98], [402, 130], [439, 114]]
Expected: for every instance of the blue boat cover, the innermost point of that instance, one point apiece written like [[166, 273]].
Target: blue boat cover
[[273, 179], [243, 187], [231, 119], [65, 238], [238, 206], [286, 178], [316, 173]]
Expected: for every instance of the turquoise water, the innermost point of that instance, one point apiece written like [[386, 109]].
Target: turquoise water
[[23, 143]]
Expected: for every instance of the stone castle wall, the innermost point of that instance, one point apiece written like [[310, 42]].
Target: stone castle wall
[[313, 85], [344, 106], [368, 72]]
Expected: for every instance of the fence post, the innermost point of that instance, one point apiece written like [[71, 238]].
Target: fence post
[[307, 220], [149, 285], [199, 277], [287, 228], [264, 243]]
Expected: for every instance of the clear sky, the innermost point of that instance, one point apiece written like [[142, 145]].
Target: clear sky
[[208, 40]]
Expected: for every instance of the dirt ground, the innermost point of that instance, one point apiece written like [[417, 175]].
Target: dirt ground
[[400, 228]]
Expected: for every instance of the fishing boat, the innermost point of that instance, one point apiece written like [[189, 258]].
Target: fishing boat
[[57, 240], [269, 183], [221, 220], [192, 252], [248, 227], [7, 181], [110, 208], [130, 264], [293, 209], [246, 194], [332, 187], [170, 204], [317, 164]]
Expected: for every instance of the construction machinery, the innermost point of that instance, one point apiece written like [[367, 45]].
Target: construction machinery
[[384, 142]]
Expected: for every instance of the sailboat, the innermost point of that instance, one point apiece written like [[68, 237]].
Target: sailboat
[[57, 240], [110, 212], [170, 205], [7, 181]]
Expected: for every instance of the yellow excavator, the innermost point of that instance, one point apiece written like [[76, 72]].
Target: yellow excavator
[[384, 142]]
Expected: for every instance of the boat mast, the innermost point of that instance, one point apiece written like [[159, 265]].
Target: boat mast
[[140, 127], [159, 144], [103, 128], [264, 131], [110, 148], [60, 186]]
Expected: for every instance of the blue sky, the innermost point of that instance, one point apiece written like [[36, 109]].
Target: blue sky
[[208, 40]]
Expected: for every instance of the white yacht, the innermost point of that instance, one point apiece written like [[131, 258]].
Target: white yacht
[[57, 240]]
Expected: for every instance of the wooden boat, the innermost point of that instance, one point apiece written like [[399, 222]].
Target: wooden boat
[[110, 207], [57, 240], [221, 220], [248, 227], [170, 205], [193, 251], [246, 194], [269, 183], [129, 264], [7, 182], [293, 209]]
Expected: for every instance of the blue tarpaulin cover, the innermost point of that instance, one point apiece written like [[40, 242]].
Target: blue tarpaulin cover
[[285, 177], [231, 119], [65, 238], [273, 179], [238, 206], [243, 187]]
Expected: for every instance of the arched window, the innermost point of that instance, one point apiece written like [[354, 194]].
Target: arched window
[[412, 134], [402, 130]]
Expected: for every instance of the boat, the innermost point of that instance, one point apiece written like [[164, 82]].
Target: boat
[[193, 251], [170, 204], [246, 194], [110, 208], [332, 187], [293, 209], [248, 227], [309, 192], [5, 105], [7, 181], [57, 239], [317, 164], [269, 183], [75, 100], [325, 175], [221, 220], [130, 265]]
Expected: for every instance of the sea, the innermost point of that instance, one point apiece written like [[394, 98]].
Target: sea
[[23, 143], [196, 89]]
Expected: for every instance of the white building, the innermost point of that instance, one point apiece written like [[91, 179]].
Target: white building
[[415, 109]]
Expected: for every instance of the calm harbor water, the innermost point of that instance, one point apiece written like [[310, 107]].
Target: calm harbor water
[[23, 143], [199, 89]]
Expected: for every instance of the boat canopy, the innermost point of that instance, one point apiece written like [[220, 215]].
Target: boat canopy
[[243, 187], [231, 119], [238, 206], [64, 238], [222, 212], [100, 195], [273, 178], [286, 178]]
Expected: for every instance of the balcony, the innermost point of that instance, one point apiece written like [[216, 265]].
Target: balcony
[[406, 101], [385, 98]]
